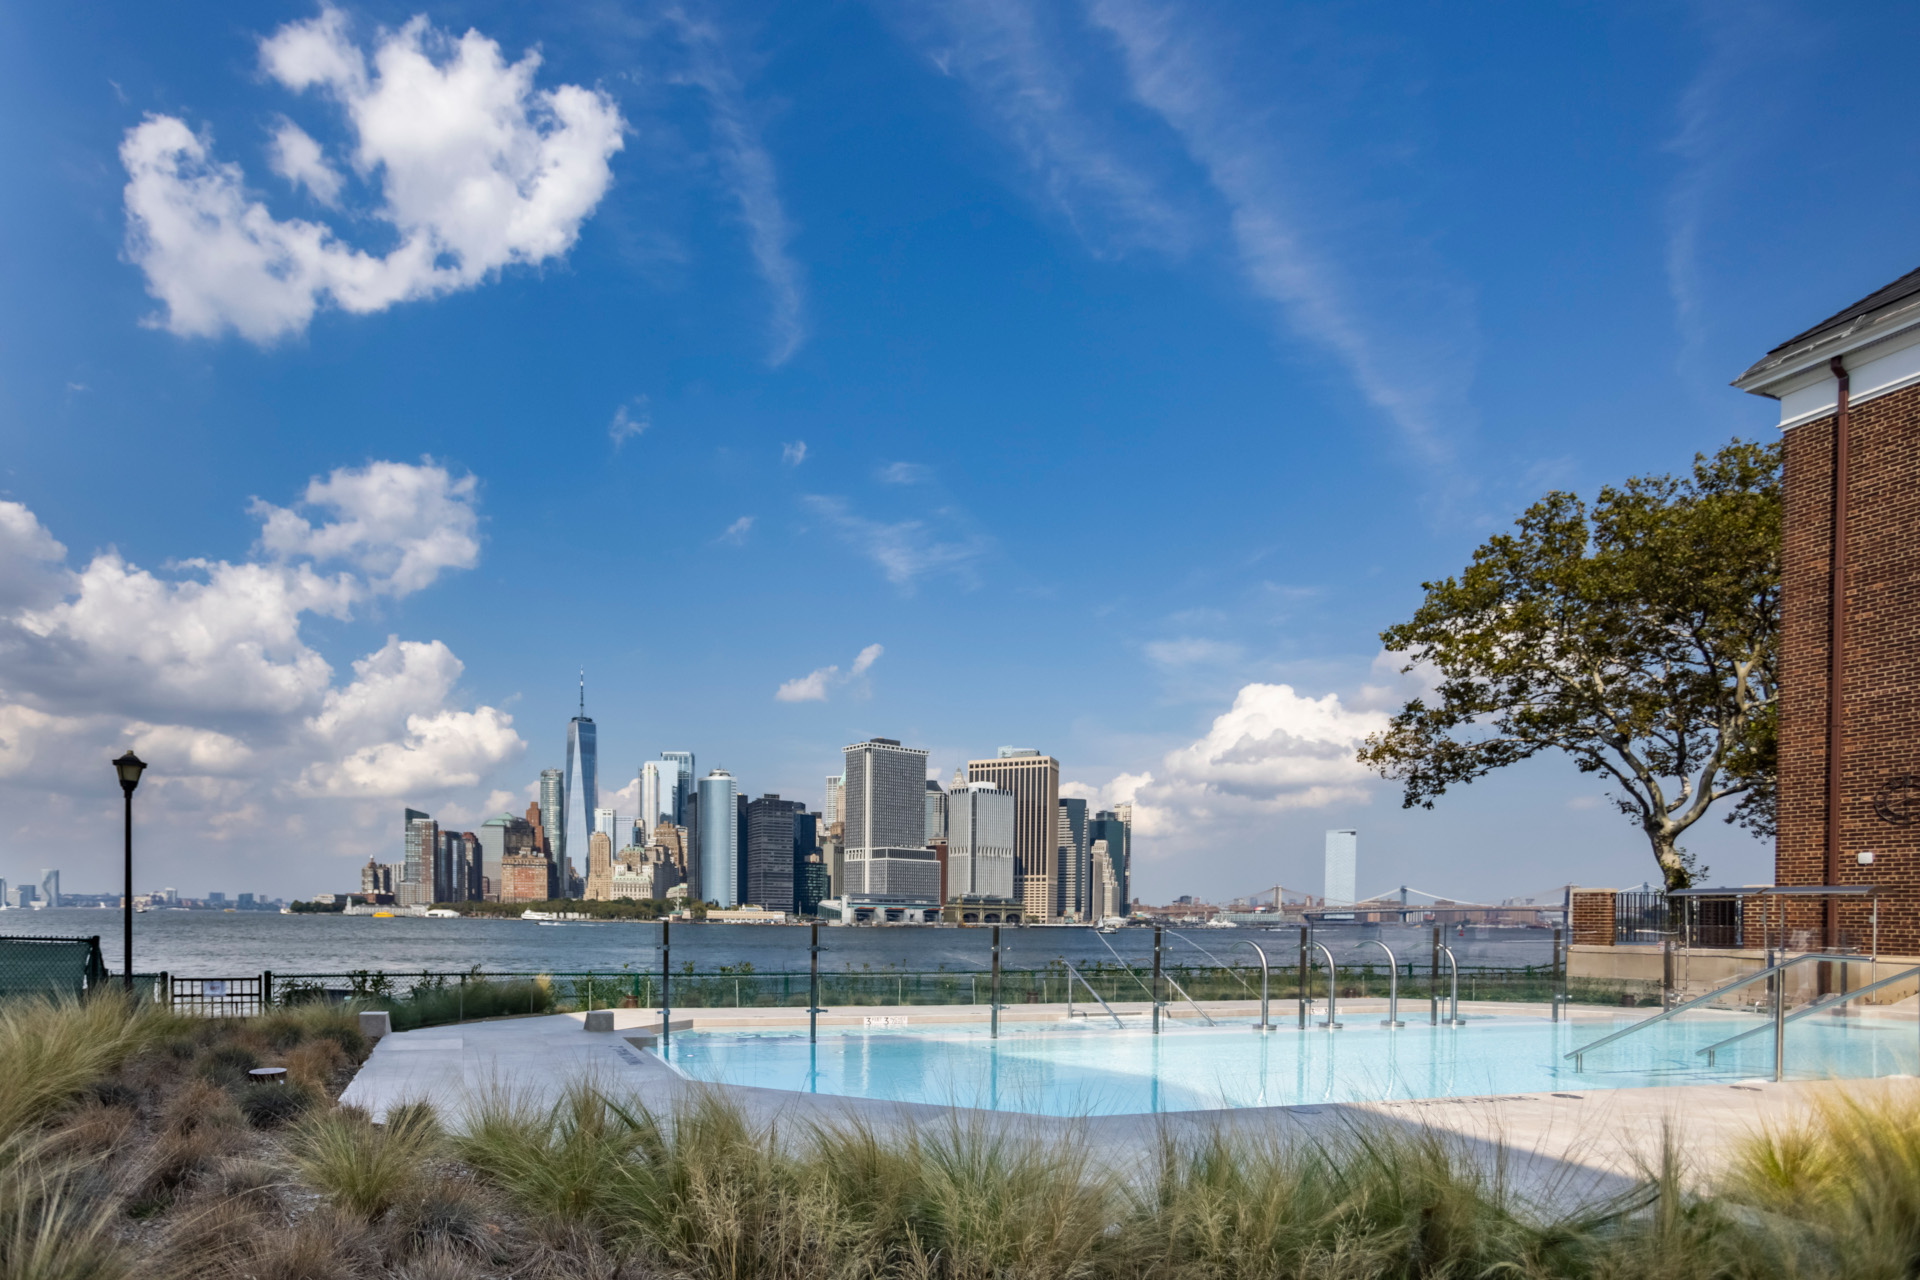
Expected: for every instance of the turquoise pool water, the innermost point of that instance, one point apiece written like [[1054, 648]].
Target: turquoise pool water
[[1082, 1069]]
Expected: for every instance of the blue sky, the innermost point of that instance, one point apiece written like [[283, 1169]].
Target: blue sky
[[1118, 368]]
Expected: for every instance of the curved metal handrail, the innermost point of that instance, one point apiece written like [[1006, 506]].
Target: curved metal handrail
[[1265, 974], [1168, 979], [1453, 1018], [1758, 975], [1393, 984], [1333, 1011]]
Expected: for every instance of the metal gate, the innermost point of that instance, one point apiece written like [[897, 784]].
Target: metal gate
[[217, 997]]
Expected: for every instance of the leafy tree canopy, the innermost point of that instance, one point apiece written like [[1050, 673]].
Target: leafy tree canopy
[[1638, 637]]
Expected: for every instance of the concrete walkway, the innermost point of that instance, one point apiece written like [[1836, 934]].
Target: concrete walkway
[[1553, 1148]]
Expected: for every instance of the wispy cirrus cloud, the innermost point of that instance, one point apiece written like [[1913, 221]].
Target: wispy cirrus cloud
[[904, 473], [1342, 275], [792, 455], [818, 683], [735, 534], [904, 550], [1015, 58], [748, 169], [629, 420]]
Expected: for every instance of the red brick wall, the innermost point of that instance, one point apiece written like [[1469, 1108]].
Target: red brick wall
[[1592, 912], [1881, 682]]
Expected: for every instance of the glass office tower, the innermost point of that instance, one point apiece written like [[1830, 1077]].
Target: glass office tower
[[719, 839], [580, 794]]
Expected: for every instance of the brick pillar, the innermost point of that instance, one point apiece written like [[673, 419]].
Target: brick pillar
[[1592, 913]]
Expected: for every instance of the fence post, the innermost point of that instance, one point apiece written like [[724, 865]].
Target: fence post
[[665, 979], [813, 985], [266, 990]]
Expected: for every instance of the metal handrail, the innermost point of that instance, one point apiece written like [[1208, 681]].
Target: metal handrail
[[1265, 974], [1393, 984], [1333, 1011], [1073, 973], [1781, 1017], [1758, 975], [1453, 1018], [1189, 999]]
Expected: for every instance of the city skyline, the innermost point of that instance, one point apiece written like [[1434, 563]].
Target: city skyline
[[981, 375]]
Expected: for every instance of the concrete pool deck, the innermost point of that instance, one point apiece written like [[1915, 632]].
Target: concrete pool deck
[[1552, 1147]]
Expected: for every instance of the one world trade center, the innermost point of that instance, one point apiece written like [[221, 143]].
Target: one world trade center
[[579, 792]]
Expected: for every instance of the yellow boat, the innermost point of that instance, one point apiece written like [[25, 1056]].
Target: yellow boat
[[383, 915]]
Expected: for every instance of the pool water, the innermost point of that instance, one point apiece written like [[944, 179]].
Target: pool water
[[1097, 1069]]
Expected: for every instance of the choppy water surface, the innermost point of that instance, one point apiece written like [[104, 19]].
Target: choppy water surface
[[206, 943]]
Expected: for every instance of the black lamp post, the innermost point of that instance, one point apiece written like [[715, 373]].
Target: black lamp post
[[129, 767]]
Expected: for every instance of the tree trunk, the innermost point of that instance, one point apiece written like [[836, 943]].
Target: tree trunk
[[1667, 853]]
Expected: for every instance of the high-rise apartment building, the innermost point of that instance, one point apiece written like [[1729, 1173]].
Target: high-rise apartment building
[[719, 839], [1073, 868], [608, 820], [1343, 853], [1106, 826], [1034, 781], [936, 812], [1106, 888], [50, 886], [886, 822], [501, 837], [980, 836], [580, 793], [836, 790], [1124, 812], [772, 840], [416, 882]]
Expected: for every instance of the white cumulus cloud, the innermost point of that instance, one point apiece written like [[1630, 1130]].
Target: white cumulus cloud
[[474, 167], [818, 683], [205, 668]]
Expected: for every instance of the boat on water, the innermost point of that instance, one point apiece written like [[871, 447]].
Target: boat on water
[[558, 917]]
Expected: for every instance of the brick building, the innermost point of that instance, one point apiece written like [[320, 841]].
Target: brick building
[[1849, 393]]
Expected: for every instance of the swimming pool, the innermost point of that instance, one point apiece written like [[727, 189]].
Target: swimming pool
[[1081, 1069]]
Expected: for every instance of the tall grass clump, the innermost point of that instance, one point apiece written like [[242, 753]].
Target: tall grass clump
[[1838, 1191], [362, 1167], [51, 1051]]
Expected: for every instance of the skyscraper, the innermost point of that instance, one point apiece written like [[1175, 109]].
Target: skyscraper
[[580, 793], [980, 827], [1106, 826], [1073, 870], [719, 839], [660, 794], [1343, 853], [886, 822], [830, 808], [599, 867], [552, 804], [416, 880], [936, 812], [684, 789], [1034, 780], [1124, 812], [770, 855], [50, 886], [608, 820]]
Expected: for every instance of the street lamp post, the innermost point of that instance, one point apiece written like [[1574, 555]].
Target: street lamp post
[[129, 767]]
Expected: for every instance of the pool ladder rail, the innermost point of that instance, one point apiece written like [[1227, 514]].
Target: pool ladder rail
[[1780, 1019]]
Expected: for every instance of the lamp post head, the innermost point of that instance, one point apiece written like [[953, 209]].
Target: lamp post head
[[129, 767]]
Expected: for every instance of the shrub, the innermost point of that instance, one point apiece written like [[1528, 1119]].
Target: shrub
[[437, 1006], [226, 1064], [52, 1051]]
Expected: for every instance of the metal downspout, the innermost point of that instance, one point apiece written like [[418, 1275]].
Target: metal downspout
[[1837, 648]]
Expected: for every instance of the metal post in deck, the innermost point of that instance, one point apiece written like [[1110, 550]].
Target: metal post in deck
[[1779, 1027], [1433, 983], [1155, 993], [1303, 978], [813, 986], [666, 927], [1554, 993], [993, 1004]]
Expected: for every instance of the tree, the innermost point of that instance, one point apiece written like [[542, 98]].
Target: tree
[[1638, 638]]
